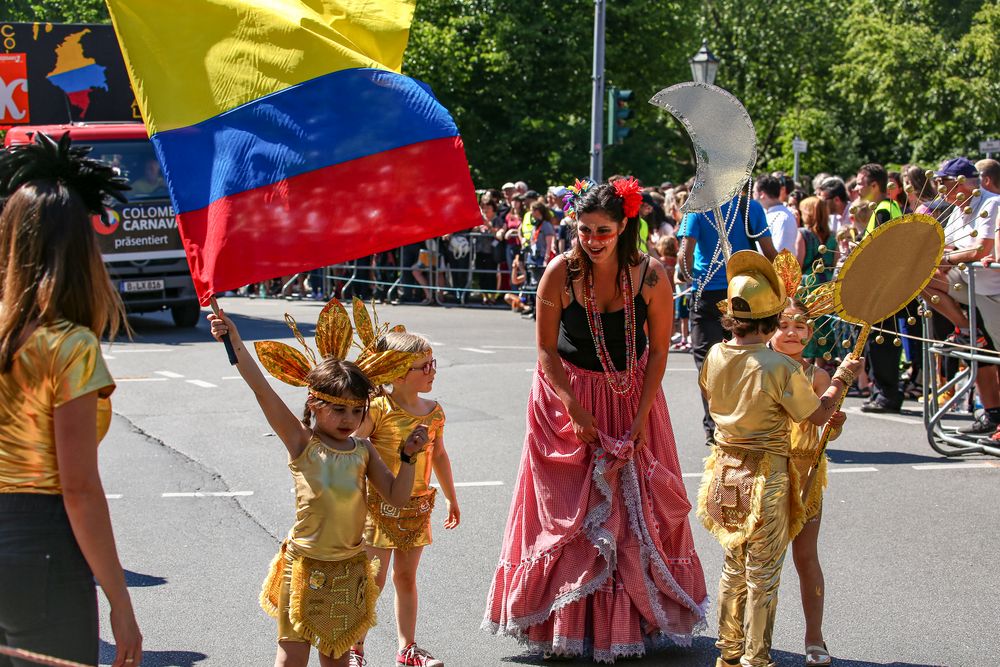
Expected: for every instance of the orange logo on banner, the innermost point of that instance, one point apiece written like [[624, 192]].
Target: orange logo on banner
[[107, 224], [13, 88]]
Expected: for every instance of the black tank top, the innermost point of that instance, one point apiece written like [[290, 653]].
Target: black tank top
[[576, 345]]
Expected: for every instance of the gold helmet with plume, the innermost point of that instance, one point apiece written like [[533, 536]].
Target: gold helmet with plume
[[759, 289], [334, 338]]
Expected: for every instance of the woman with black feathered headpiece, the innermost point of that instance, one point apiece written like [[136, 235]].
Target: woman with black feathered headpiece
[[56, 300]]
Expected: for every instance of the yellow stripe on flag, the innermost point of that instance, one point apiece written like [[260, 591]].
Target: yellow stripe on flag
[[190, 60]]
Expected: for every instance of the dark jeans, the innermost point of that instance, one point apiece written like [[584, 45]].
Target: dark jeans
[[48, 600], [883, 366], [706, 331]]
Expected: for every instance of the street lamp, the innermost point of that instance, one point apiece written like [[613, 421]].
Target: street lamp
[[704, 64]]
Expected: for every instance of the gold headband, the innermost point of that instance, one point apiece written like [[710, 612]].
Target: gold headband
[[337, 400]]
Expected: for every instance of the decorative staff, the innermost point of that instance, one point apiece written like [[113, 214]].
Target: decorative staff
[[886, 271]]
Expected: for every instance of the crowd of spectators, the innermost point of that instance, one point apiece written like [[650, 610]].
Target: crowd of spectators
[[819, 221]]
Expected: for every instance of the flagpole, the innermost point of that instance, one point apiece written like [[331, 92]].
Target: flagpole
[[226, 340]]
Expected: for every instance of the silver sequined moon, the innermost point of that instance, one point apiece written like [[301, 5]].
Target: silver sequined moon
[[724, 140]]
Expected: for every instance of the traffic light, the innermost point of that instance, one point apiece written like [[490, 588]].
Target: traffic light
[[618, 113]]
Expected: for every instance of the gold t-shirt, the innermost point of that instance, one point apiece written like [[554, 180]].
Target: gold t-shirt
[[330, 507], [57, 363], [752, 392], [391, 425]]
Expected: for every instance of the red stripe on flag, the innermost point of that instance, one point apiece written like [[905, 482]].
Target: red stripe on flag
[[330, 215]]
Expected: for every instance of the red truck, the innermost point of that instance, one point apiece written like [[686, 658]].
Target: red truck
[[139, 240]]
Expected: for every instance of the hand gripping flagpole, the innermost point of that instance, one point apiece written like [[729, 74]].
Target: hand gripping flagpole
[[226, 339]]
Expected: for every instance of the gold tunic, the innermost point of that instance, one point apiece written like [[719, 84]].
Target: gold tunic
[[59, 362], [749, 497], [330, 501], [804, 444], [408, 527]]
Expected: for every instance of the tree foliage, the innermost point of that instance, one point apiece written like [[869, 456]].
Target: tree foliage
[[867, 80]]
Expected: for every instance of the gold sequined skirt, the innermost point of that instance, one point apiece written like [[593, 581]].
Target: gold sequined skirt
[[729, 500], [329, 604], [401, 528], [814, 502]]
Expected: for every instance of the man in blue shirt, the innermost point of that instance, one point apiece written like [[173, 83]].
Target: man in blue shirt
[[747, 228]]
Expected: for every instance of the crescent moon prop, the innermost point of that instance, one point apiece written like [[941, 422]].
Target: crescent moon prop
[[725, 145]]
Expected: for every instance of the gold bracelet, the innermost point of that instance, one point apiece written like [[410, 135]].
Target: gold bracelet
[[845, 376]]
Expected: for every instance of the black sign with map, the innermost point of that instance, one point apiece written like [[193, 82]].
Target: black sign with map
[[62, 73]]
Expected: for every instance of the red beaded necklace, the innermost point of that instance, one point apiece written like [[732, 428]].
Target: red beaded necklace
[[621, 382]]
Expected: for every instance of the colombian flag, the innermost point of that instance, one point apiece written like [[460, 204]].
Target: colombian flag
[[288, 138]]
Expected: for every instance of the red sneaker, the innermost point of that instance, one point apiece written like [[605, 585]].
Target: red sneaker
[[414, 656], [356, 659]]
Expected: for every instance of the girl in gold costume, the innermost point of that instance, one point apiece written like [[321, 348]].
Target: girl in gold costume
[[791, 338], [321, 586], [401, 534], [749, 498]]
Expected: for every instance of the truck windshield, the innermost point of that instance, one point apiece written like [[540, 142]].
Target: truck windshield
[[137, 162]]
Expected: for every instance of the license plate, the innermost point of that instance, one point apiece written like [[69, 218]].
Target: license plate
[[133, 286]]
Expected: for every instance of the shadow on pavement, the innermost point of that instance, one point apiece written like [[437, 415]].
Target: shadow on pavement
[[137, 580], [156, 658], [159, 329], [887, 458], [702, 653]]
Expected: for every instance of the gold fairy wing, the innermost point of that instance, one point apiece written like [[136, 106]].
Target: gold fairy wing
[[363, 323], [334, 333], [788, 270], [283, 362], [384, 367], [821, 301]]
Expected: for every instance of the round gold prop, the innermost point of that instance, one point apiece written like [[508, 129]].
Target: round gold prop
[[886, 271]]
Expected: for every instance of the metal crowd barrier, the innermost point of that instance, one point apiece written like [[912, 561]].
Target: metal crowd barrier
[[943, 440], [396, 273]]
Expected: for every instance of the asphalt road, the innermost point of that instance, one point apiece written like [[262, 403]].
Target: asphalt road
[[200, 497]]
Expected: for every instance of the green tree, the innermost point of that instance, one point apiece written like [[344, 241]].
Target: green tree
[[55, 11]]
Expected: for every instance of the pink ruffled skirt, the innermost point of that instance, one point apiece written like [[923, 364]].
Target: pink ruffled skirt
[[597, 558]]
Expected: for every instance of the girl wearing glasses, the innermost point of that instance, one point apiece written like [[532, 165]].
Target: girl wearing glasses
[[402, 534]]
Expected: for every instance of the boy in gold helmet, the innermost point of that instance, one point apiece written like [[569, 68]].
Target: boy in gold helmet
[[747, 498]]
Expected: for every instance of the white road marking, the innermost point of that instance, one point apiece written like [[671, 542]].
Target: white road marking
[[107, 357], [477, 350], [435, 343], [692, 474], [202, 383], [509, 347], [148, 351], [529, 370], [899, 419], [233, 377], [206, 494], [866, 469], [112, 496], [954, 466], [690, 370], [492, 483], [169, 374], [140, 379]]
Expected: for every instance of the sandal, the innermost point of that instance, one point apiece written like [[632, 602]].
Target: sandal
[[817, 655]]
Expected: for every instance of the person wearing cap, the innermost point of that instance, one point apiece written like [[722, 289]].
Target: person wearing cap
[[969, 237], [749, 497], [509, 192]]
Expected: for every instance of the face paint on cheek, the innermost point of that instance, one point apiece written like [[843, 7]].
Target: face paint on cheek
[[599, 238]]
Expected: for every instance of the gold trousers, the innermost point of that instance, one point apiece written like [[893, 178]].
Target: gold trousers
[[748, 590]]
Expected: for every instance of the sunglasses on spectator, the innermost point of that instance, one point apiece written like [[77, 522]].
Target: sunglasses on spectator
[[426, 368]]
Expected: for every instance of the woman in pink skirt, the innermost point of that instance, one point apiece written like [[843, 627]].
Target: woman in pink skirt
[[597, 558]]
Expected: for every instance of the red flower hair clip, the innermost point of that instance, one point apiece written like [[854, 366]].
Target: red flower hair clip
[[631, 192]]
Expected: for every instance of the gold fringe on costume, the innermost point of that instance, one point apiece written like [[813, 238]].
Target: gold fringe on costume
[[801, 463], [331, 603], [404, 526], [729, 499]]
